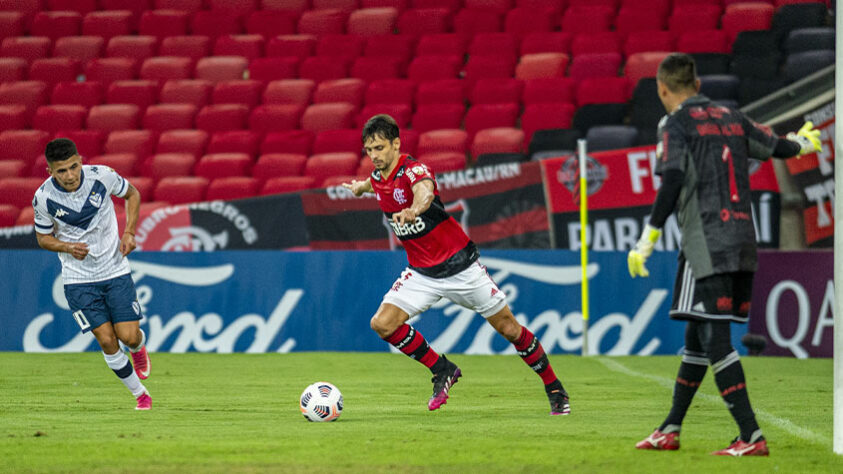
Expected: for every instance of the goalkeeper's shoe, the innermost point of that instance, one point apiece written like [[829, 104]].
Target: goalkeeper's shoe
[[559, 404], [660, 441], [144, 402], [443, 380], [742, 448], [140, 361]]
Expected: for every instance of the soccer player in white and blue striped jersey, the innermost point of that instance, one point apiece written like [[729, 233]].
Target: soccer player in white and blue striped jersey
[[74, 216]]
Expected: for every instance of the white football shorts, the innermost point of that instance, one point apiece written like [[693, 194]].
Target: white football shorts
[[472, 288]]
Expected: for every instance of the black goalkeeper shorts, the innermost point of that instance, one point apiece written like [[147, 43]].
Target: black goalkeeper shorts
[[720, 297]]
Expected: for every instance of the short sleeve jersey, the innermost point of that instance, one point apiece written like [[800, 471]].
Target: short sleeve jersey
[[712, 145], [85, 215], [435, 243]]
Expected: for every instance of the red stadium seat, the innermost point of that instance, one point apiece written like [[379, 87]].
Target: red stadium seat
[[275, 118], [243, 92], [400, 47], [26, 47], [140, 92], [289, 141], [222, 117], [322, 22], [436, 116], [646, 41], [328, 116], [348, 46], [331, 141], [125, 164], [53, 118], [270, 24], [136, 7], [163, 68], [542, 66], [399, 5], [30, 94], [88, 142], [391, 91], [247, 46], [222, 68], [163, 23], [213, 23], [26, 216], [591, 43], [746, 17], [523, 21], [496, 91], [235, 141], [79, 48], [186, 91], [498, 140], [431, 68], [220, 165], [234, 187], [501, 44], [446, 139], [190, 6], [586, 66], [489, 66], [641, 65], [18, 192], [13, 69], [400, 112], [87, 94], [13, 117], [471, 21], [111, 117], [162, 117], [181, 190], [349, 90], [23, 145], [636, 19], [442, 162], [108, 70], [422, 21], [235, 7], [339, 180], [494, 5], [273, 165], [300, 46], [442, 44], [374, 68], [704, 41], [53, 70], [697, 16], [12, 24], [14, 168], [162, 165], [409, 141], [56, 24], [272, 69], [484, 116], [450, 5], [140, 143], [289, 91], [602, 90], [372, 21], [194, 47], [545, 116], [366, 167], [546, 42], [8, 213], [550, 90], [323, 68], [108, 24], [183, 141], [444, 91], [587, 19], [287, 184], [343, 5], [329, 164]]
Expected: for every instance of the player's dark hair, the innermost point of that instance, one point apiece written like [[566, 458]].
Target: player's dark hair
[[678, 72], [60, 149], [380, 126]]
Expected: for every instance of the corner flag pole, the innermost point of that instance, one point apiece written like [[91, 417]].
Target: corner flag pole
[[838, 248], [581, 152]]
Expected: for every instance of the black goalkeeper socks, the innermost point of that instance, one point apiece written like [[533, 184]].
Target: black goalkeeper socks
[[691, 373]]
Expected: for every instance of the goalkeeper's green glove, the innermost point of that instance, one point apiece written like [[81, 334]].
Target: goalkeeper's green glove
[[807, 138], [642, 251]]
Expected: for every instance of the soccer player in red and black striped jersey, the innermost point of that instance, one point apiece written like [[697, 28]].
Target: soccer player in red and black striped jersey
[[443, 263], [704, 153]]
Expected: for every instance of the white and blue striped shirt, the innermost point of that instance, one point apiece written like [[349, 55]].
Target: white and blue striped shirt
[[85, 215]]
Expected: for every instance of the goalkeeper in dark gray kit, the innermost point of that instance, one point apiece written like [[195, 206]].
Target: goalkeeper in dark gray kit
[[703, 160]]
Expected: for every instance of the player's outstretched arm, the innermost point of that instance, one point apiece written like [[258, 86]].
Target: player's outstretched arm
[[422, 199], [48, 242], [359, 187], [133, 200]]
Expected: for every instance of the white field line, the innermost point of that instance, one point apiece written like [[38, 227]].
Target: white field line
[[782, 423]]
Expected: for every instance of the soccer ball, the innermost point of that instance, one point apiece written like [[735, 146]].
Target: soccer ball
[[321, 401]]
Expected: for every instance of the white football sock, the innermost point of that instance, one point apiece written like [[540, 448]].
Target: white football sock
[[121, 366], [142, 342]]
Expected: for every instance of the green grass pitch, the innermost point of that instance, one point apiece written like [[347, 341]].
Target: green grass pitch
[[238, 413]]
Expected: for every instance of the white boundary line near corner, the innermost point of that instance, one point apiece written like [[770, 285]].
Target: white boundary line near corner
[[781, 423]]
